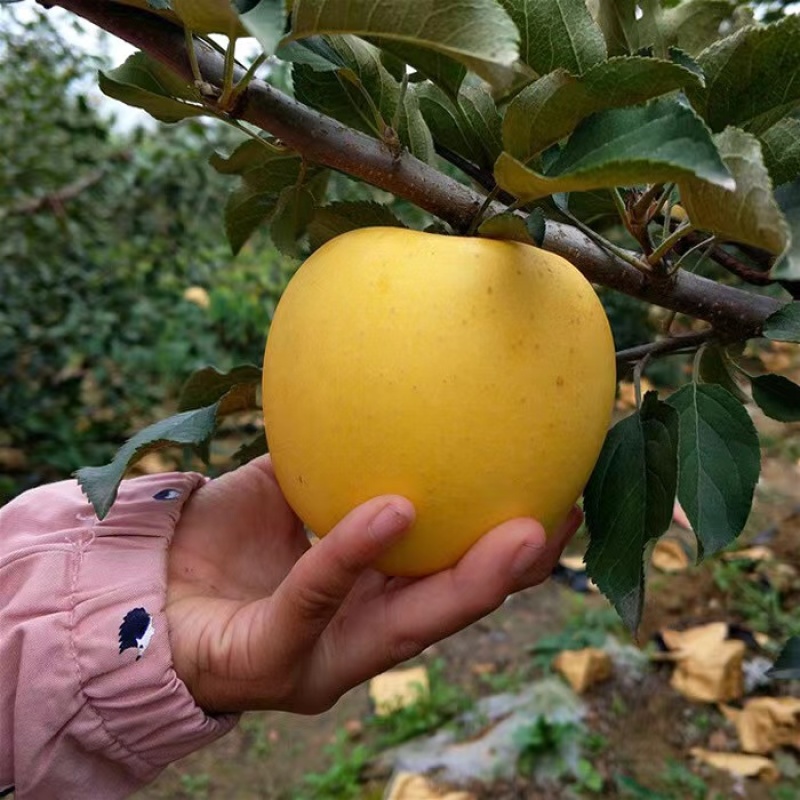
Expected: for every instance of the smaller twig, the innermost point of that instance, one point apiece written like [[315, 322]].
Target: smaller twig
[[192, 53], [400, 101], [641, 211], [674, 344], [637, 377], [619, 204], [601, 241], [667, 244], [225, 101], [662, 200], [245, 80]]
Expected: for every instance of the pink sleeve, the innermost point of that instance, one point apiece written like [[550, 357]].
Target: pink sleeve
[[90, 706]]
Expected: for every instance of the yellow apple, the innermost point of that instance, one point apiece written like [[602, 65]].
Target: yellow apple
[[474, 376]]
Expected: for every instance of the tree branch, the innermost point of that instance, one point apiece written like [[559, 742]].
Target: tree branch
[[326, 141], [673, 344], [55, 200]]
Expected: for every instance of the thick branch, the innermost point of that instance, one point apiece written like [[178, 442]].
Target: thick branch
[[325, 141]]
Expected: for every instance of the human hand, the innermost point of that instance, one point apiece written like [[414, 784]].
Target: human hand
[[259, 619]]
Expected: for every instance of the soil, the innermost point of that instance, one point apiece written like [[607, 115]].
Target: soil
[[648, 728]]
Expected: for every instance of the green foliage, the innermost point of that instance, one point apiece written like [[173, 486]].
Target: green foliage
[[341, 781], [442, 703], [103, 231]]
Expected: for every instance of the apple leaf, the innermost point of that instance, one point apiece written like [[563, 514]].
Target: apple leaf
[[187, 429], [787, 667], [478, 34], [293, 211], [314, 52], [557, 33], [364, 95], [780, 146], [207, 386], [266, 172], [252, 449], [145, 83], [661, 141], [628, 502], [788, 199], [440, 69], [266, 20], [777, 397], [784, 324], [752, 77], [617, 20], [507, 226], [338, 218], [719, 463], [713, 367], [748, 213], [549, 109]]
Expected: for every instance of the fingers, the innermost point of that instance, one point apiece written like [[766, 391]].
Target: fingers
[[320, 581], [513, 556]]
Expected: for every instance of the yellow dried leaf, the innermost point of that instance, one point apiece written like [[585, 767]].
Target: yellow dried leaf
[[409, 786], [669, 556], [708, 666], [573, 563], [766, 723], [583, 668], [627, 393], [756, 553], [197, 295], [739, 764], [397, 689]]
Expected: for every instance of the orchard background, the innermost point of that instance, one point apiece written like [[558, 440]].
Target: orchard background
[[654, 145]]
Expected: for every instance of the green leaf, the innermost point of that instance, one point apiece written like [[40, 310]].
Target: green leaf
[[549, 109], [145, 83], [363, 95], [752, 77], [338, 218], [293, 212], [777, 397], [443, 71], [629, 501], [617, 20], [780, 146], [662, 141], [787, 667], [209, 16], [714, 367], [266, 172], [557, 33], [507, 226], [537, 226], [266, 20], [788, 198], [314, 52], [476, 33], [719, 461], [207, 386], [691, 26], [187, 429], [748, 213], [784, 324]]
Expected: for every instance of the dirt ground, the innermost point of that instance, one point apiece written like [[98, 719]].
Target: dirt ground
[[647, 728]]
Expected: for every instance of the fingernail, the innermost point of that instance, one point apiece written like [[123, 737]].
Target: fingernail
[[527, 555], [388, 522]]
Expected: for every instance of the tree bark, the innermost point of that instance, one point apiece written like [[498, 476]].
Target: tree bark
[[736, 313]]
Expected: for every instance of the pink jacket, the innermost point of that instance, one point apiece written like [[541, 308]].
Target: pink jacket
[[90, 706]]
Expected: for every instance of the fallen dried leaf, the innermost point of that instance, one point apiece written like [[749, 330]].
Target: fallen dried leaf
[[756, 553], [197, 295], [708, 665], [669, 556], [583, 668], [409, 786], [627, 393], [739, 764], [397, 689], [766, 723]]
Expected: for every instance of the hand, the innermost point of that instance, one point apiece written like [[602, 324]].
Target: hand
[[260, 620]]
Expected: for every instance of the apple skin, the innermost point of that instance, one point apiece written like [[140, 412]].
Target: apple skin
[[474, 376]]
